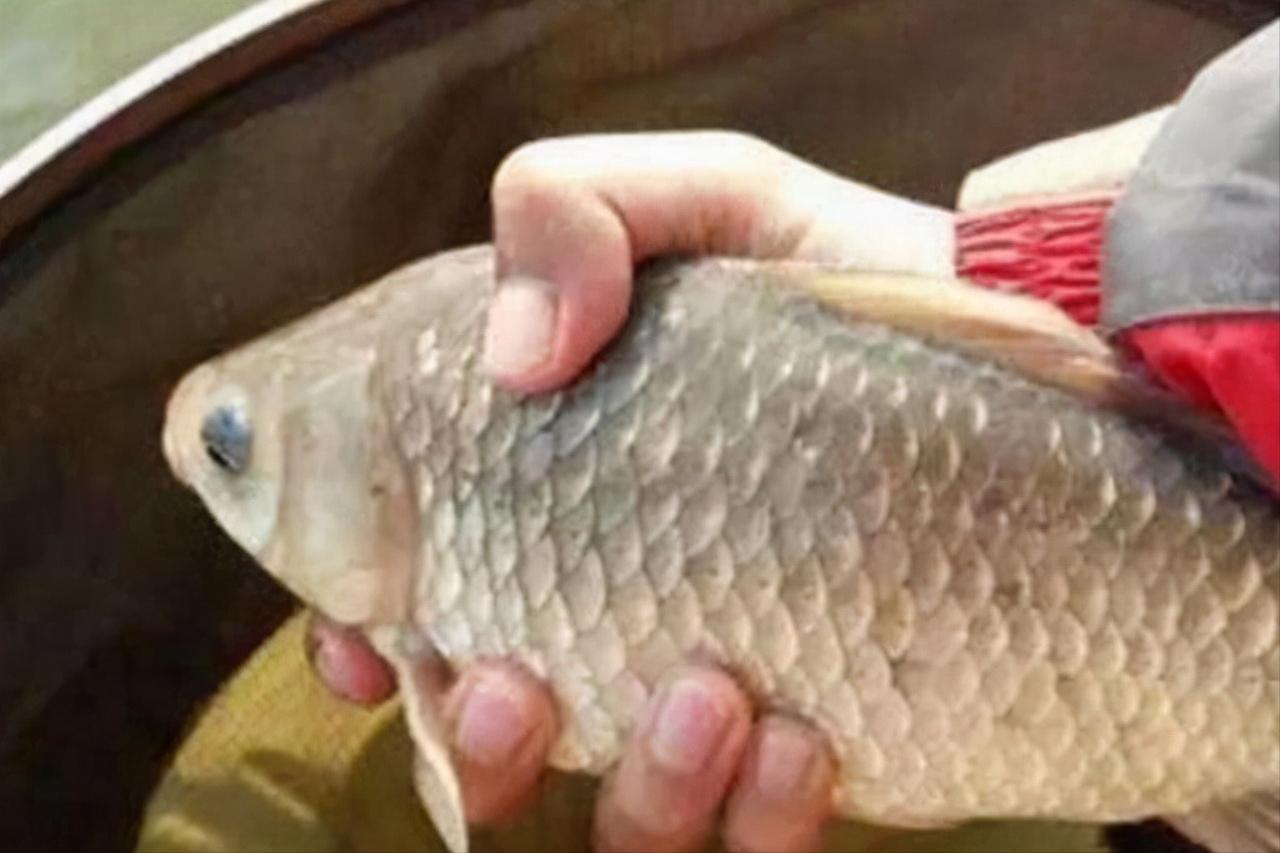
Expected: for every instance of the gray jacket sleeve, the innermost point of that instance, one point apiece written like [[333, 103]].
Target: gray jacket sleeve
[[1197, 229]]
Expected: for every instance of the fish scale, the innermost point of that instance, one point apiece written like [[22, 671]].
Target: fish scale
[[739, 462]]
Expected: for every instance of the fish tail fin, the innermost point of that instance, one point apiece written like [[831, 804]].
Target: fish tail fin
[[1247, 825]]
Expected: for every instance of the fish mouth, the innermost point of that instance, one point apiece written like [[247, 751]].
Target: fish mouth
[[182, 418]]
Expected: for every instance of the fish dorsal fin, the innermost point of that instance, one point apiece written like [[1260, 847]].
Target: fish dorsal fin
[[1247, 825], [1030, 336]]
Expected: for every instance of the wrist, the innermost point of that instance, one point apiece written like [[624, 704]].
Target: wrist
[[857, 226]]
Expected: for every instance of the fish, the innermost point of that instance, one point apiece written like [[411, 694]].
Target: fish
[[948, 527]]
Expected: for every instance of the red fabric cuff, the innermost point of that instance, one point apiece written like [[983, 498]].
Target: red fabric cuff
[[1052, 250]]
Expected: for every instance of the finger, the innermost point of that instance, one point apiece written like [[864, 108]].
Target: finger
[[782, 798], [347, 664], [503, 723], [675, 771], [572, 217]]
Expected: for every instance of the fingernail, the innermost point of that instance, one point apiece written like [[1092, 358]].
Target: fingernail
[[331, 670], [687, 728], [787, 768], [490, 728], [522, 323]]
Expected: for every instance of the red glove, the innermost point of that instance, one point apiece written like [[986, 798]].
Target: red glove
[[1229, 363]]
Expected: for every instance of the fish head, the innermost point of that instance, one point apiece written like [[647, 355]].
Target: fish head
[[283, 441]]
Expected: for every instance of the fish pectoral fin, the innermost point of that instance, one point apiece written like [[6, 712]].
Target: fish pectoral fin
[[1248, 825], [434, 776]]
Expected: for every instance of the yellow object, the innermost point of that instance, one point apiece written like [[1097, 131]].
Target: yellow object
[[275, 763]]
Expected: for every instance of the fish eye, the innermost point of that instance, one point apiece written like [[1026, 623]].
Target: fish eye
[[228, 438]]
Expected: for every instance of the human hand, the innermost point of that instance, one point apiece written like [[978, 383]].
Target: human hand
[[696, 748], [572, 218]]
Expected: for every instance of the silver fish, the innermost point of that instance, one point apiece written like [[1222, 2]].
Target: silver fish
[[902, 510]]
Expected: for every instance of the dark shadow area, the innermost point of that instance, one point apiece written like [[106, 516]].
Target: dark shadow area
[[1152, 835]]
